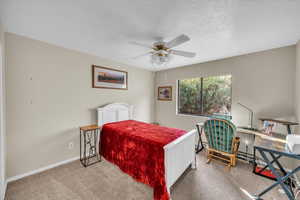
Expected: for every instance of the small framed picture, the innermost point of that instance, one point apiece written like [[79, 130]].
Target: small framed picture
[[165, 93], [104, 77]]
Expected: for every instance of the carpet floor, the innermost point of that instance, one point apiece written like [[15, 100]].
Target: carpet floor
[[104, 181]]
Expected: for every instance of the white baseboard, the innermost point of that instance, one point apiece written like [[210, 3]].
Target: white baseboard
[[14, 178], [3, 191]]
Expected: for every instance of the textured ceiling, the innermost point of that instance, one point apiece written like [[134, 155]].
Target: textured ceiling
[[217, 28]]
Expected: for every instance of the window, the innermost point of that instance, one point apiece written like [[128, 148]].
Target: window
[[205, 96]]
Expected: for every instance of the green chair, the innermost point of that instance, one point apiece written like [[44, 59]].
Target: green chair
[[221, 116], [222, 143]]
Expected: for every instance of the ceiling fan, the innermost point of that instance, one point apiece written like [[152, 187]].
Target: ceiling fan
[[162, 51]]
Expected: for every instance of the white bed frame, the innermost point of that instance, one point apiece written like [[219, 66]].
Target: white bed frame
[[179, 154]]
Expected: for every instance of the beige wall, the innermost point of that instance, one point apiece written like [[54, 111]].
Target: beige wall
[[263, 81], [49, 95], [297, 97], [2, 113], [297, 82]]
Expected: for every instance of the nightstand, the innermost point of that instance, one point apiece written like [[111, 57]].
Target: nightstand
[[89, 137]]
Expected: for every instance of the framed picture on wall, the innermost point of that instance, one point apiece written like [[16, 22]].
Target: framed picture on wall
[[165, 93], [104, 77]]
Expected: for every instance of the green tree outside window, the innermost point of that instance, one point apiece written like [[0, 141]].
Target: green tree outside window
[[205, 96]]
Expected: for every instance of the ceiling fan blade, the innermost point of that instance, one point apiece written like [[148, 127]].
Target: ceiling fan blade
[[183, 53], [142, 55], [141, 45], [177, 41]]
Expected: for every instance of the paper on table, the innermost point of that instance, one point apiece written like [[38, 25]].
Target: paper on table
[[293, 142]]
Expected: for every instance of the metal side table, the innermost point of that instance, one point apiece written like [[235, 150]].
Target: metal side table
[[89, 137]]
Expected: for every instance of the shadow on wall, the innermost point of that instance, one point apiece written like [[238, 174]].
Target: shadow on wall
[[276, 114], [273, 112], [93, 114], [241, 116]]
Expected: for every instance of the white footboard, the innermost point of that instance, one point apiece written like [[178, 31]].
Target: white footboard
[[179, 154]]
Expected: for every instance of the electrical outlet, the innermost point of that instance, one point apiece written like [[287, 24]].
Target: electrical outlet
[[71, 145]]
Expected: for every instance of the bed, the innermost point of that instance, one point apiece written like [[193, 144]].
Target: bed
[[151, 154]]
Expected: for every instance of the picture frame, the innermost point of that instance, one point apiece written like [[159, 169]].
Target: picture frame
[[164, 93], [109, 78]]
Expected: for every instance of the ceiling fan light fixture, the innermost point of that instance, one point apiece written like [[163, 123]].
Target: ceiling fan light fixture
[[162, 52], [160, 59]]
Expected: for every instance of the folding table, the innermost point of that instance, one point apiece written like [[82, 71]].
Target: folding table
[[271, 151]]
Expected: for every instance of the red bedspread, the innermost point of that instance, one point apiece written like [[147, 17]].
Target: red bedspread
[[137, 148]]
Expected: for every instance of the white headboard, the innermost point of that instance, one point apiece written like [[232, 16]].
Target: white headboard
[[114, 112]]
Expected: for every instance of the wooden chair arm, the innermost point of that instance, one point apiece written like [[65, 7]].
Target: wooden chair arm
[[235, 144]]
